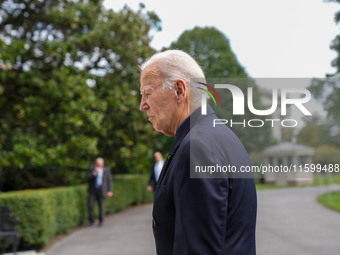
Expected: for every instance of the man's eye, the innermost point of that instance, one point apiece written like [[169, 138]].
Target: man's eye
[[147, 95]]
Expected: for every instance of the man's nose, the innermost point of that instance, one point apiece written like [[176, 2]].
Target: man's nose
[[143, 105]]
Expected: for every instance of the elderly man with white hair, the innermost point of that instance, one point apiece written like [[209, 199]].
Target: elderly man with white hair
[[195, 215]]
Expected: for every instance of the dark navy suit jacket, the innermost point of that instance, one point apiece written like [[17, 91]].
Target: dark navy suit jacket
[[152, 178], [204, 216]]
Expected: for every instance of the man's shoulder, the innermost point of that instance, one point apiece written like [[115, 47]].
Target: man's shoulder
[[220, 140], [204, 132]]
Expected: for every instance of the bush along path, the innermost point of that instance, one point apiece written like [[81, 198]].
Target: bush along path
[[44, 213]]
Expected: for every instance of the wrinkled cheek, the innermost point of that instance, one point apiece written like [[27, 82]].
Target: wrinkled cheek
[[165, 122]]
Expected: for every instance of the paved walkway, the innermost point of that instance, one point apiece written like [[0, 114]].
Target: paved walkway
[[124, 233], [290, 221]]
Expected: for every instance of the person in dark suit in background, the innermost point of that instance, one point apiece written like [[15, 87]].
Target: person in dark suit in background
[[100, 186], [201, 216], [156, 170]]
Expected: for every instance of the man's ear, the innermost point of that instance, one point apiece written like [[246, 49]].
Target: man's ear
[[180, 90]]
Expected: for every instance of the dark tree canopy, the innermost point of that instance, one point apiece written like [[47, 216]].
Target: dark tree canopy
[[211, 49], [69, 90]]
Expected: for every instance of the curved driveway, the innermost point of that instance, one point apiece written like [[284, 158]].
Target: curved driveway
[[290, 221]]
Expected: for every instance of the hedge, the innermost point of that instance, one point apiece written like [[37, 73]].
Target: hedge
[[44, 213]]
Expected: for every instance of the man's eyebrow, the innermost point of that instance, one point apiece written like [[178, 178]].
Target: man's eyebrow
[[145, 89]]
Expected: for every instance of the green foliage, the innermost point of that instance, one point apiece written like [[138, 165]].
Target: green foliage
[[317, 133], [326, 154], [329, 179], [335, 45], [69, 83], [327, 90], [36, 211], [309, 136], [330, 200], [211, 49], [44, 213], [287, 134], [39, 177], [256, 158], [319, 181], [268, 187]]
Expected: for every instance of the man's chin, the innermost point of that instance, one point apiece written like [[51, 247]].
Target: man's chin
[[155, 127]]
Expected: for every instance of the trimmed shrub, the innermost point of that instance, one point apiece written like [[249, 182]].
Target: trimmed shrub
[[44, 213]]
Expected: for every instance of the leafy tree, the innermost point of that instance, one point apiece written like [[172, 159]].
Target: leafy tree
[[287, 134], [68, 90], [335, 45], [309, 136], [326, 154], [211, 49], [317, 133], [327, 90], [127, 137]]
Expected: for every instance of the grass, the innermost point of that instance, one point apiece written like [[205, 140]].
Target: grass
[[326, 181], [317, 182], [330, 200], [267, 186]]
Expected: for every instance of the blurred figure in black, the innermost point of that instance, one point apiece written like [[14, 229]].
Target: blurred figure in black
[[100, 186]]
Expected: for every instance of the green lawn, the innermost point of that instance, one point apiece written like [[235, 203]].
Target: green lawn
[[326, 181], [330, 200], [317, 182], [266, 186]]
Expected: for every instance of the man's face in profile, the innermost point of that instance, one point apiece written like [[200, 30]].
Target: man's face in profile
[[159, 104]]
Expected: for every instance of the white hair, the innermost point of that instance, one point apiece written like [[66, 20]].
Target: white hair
[[179, 65], [99, 159]]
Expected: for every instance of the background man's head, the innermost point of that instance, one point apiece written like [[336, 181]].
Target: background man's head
[[100, 162], [158, 156], [168, 97]]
